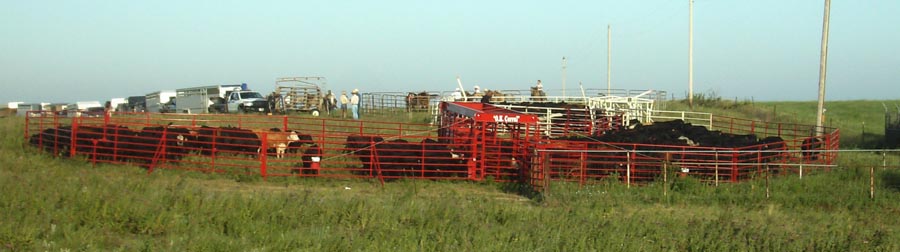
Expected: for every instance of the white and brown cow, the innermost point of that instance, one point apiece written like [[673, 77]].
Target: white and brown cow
[[279, 140]]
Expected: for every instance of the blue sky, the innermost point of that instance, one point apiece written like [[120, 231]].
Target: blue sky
[[60, 51]]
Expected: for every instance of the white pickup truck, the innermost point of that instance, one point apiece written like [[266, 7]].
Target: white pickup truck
[[241, 101]]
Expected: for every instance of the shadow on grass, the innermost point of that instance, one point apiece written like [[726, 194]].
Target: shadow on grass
[[891, 180]]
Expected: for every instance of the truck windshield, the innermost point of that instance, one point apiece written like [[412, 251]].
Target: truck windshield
[[251, 95]]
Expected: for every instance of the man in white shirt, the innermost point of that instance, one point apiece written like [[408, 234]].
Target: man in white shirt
[[344, 102], [354, 104]]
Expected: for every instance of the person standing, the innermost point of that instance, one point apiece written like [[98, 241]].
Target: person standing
[[334, 101], [354, 104], [344, 102], [329, 102]]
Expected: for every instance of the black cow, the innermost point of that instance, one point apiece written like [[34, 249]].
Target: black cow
[[233, 140], [772, 148], [92, 141], [440, 161], [311, 153], [56, 140], [810, 148], [149, 144], [397, 158], [295, 146], [360, 146]]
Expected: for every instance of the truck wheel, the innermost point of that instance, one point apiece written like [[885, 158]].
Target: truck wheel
[[315, 112]]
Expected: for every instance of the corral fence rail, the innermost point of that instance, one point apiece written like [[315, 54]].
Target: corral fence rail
[[244, 144]]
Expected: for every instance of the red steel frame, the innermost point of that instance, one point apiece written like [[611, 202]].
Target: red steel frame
[[487, 142], [482, 153], [500, 140], [586, 162]]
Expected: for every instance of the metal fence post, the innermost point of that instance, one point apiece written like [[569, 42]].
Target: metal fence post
[[767, 182], [717, 168], [628, 169], [72, 137], [263, 155], [872, 182], [666, 174]]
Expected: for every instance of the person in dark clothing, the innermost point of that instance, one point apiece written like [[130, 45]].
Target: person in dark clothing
[[486, 98]]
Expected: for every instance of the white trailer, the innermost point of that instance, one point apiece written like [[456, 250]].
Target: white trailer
[[11, 105], [23, 108], [115, 102], [197, 100], [156, 100], [92, 108]]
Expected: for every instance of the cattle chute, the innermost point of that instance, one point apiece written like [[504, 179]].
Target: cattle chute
[[500, 140]]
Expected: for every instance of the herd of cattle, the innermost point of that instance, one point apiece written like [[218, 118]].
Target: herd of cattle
[[116, 143], [428, 158], [676, 141]]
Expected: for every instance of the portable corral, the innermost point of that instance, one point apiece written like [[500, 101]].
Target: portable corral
[[197, 100], [738, 149], [500, 140], [392, 102], [156, 100], [298, 94], [251, 144]]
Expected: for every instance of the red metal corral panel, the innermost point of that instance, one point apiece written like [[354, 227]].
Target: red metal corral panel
[[481, 112]]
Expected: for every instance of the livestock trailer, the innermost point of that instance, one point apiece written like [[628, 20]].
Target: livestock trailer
[[133, 104], [197, 100], [11, 105], [23, 108], [115, 103], [78, 108], [9, 108], [299, 94], [156, 100]]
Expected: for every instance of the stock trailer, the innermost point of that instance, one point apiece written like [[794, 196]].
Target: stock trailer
[[471, 141]]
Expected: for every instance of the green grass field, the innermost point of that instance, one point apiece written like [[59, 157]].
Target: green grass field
[[55, 204]]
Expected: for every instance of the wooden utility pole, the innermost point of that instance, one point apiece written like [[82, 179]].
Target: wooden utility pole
[[691, 56], [823, 63], [608, 58]]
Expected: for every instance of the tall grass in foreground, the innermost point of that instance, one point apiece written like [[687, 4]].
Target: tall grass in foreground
[[54, 204]]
